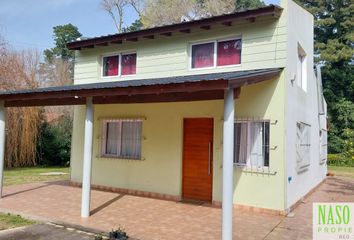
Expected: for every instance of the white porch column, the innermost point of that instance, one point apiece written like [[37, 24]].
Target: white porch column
[[228, 168], [87, 163], [2, 143]]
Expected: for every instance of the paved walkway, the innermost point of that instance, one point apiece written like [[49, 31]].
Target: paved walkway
[[44, 231], [147, 219]]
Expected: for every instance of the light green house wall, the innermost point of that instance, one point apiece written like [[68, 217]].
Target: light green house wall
[[264, 46], [161, 168]]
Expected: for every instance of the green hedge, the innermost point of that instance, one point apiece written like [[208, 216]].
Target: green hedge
[[340, 160]]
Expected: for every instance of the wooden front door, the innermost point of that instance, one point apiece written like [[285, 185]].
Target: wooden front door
[[198, 159]]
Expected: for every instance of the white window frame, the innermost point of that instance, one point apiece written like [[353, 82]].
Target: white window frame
[[119, 54], [215, 41], [248, 160], [103, 143]]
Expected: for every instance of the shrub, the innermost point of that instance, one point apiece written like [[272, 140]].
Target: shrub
[[54, 142], [340, 160], [118, 234]]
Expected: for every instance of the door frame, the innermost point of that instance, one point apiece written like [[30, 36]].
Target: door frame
[[211, 152]]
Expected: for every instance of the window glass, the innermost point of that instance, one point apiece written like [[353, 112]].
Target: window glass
[[110, 66], [203, 55], [252, 143], [229, 52], [122, 139], [129, 64]]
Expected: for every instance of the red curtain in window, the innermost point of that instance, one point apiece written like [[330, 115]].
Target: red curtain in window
[[129, 64], [110, 66], [203, 55], [229, 52]]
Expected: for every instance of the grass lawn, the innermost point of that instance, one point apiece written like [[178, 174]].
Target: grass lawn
[[342, 171], [17, 176], [12, 221]]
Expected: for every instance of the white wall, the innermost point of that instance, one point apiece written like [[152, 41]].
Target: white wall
[[301, 106]]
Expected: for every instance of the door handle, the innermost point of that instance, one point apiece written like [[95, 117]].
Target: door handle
[[209, 159]]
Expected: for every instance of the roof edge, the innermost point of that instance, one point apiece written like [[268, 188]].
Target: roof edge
[[251, 14]]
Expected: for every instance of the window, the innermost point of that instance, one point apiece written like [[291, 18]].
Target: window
[[203, 55], [301, 75], [303, 146], [229, 52], [119, 65], [122, 138], [110, 66], [323, 146], [216, 53], [252, 143], [129, 64]]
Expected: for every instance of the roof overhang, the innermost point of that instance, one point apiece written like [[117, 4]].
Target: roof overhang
[[170, 89], [251, 15]]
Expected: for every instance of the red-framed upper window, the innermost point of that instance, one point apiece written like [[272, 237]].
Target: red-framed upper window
[[110, 66], [129, 64], [229, 52], [203, 55]]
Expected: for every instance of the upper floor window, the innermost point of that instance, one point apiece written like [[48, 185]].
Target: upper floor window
[[229, 52], [111, 66], [119, 65], [301, 75], [203, 55], [129, 64], [216, 53]]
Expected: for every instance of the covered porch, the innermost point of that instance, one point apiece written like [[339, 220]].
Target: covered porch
[[174, 89]]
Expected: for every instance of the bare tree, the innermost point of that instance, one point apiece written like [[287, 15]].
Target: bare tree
[[19, 71], [115, 9]]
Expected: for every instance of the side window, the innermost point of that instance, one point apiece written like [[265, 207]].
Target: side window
[[252, 143], [301, 75], [303, 146]]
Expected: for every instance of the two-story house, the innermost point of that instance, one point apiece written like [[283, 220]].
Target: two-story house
[[224, 110]]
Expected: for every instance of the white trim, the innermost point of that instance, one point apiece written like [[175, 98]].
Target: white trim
[[215, 41]]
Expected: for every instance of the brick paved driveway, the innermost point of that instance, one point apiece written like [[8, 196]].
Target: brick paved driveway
[[145, 218]]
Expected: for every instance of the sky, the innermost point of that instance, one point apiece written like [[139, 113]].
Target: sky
[[29, 23]]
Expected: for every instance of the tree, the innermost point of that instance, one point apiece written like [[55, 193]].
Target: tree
[[334, 37], [116, 9], [248, 4], [18, 70], [62, 35], [163, 12], [135, 26]]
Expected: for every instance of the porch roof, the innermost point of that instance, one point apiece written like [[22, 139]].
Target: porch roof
[[168, 89]]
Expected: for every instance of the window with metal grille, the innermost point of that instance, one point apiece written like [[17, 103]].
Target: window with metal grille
[[252, 143], [121, 138]]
